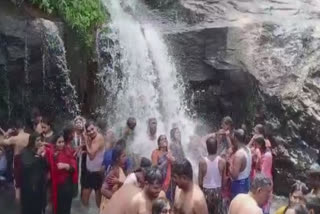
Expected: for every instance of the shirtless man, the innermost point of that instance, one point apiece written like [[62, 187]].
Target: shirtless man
[[93, 177], [260, 192], [240, 164], [19, 142], [152, 129], [189, 198], [141, 203]]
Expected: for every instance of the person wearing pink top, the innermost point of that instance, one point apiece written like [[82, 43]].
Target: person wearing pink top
[[264, 165]]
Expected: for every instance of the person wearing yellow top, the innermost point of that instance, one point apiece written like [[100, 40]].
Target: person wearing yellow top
[[296, 196]]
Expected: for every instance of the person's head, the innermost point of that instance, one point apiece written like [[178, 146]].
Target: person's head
[[163, 143], [145, 164], [313, 204], [261, 188], [152, 126], [259, 129], [35, 141], [175, 134], [227, 123], [297, 192], [68, 133], [19, 125], [79, 123], [161, 206], [153, 182], [238, 137], [297, 209], [131, 123], [182, 173], [91, 129], [59, 141], [46, 125], [212, 145], [118, 155], [314, 179], [260, 143]]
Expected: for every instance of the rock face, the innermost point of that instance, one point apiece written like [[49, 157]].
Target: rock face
[[259, 62], [33, 65]]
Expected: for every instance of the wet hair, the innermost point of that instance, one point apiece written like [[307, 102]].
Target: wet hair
[[212, 146], [183, 168], [260, 129], [32, 140], [122, 142], [159, 138], [57, 136], [261, 142], [151, 119], [67, 131], [313, 203], [159, 204], [227, 120], [19, 124], [239, 135], [260, 181], [47, 121], [145, 163], [299, 209], [172, 132], [116, 153], [154, 175], [89, 123], [299, 186], [131, 120]]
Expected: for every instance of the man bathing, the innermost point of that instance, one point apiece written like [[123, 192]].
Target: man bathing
[[93, 177], [189, 198], [142, 202], [260, 191], [240, 164], [19, 142]]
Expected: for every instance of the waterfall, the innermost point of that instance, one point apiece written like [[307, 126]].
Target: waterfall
[[139, 76]]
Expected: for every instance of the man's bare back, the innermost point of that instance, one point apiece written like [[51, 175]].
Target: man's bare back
[[244, 204], [141, 204], [192, 202], [19, 142]]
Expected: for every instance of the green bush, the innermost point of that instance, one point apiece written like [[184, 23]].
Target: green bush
[[82, 15]]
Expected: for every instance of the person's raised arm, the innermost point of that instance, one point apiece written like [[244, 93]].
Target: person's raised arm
[[202, 172], [222, 169]]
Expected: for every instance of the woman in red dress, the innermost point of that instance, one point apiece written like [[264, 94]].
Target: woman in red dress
[[64, 176]]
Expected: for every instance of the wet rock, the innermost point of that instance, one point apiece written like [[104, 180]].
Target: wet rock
[[33, 64], [265, 68]]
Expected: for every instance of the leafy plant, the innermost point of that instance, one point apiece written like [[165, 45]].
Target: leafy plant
[[82, 15]]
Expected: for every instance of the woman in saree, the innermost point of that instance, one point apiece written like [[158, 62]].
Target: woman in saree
[[163, 158]]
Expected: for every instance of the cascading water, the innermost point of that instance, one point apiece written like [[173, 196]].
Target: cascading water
[[139, 76]]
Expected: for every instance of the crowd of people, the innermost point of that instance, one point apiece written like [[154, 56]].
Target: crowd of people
[[234, 176]]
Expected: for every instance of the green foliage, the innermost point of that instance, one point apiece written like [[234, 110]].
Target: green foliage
[[82, 15]]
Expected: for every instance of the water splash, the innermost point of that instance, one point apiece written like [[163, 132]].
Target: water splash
[[56, 73], [139, 75]]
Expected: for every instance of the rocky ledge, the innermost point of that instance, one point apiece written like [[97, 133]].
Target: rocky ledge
[[259, 62]]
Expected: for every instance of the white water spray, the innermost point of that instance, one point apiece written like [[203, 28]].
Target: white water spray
[[148, 84]]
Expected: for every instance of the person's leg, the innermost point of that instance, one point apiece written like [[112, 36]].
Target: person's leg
[[64, 198], [85, 196], [98, 197]]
